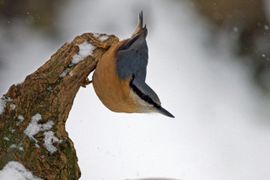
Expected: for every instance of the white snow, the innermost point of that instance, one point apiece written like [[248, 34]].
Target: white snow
[[49, 88], [49, 140], [101, 37], [14, 170], [85, 49], [34, 127], [76, 59], [96, 35], [65, 72], [15, 146], [6, 138], [2, 104], [12, 106], [21, 118]]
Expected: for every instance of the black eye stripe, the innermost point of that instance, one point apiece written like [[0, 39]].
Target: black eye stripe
[[141, 95]]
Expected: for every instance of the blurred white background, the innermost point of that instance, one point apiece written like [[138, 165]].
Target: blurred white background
[[221, 130]]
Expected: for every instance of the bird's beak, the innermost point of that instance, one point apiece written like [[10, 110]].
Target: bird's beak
[[140, 29], [165, 112]]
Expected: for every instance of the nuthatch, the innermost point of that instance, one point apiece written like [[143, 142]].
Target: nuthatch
[[119, 78]]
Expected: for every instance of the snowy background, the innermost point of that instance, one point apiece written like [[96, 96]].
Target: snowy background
[[221, 130]]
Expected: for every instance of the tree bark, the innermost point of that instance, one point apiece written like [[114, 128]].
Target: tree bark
[[44, 100]]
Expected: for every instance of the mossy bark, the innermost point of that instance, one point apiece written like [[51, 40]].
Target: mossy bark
[[50, 92]]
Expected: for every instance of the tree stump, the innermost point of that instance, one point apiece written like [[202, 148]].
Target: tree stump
[[33, 113]]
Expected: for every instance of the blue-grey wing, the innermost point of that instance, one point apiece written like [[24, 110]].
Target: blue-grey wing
[[132, 59]]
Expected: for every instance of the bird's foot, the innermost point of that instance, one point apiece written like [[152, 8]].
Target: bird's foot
[[86, 82]]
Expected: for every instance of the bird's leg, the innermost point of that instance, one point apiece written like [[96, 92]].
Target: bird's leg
[[86, 82]]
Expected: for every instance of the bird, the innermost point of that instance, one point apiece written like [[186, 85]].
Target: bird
[[120, 74]]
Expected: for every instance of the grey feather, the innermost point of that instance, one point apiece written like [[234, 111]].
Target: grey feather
[[132, 59]]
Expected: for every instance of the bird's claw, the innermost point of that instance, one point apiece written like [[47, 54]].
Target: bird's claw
[[86, 82]]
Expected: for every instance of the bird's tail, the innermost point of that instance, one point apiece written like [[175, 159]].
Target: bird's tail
[[140, 29]]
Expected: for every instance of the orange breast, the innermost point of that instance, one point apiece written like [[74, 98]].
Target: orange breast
[[113, 92]]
